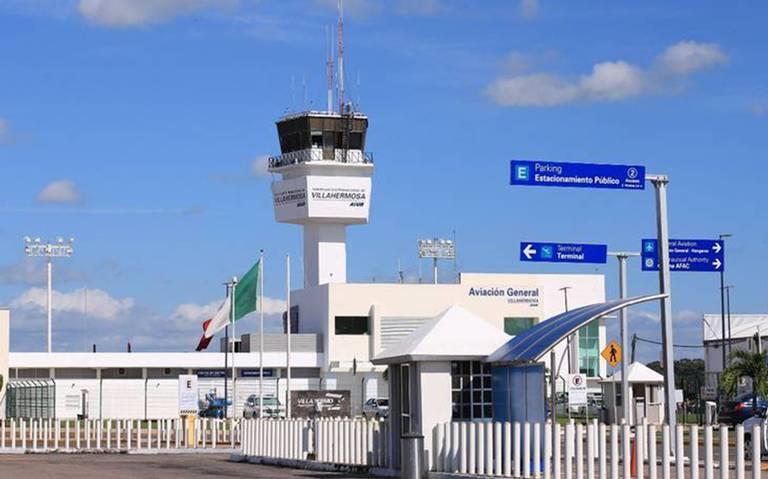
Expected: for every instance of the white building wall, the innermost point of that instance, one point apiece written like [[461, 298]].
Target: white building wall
[[122, 398], [5, 318], [162, 398]]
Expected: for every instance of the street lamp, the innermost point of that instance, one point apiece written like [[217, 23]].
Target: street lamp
[[728, 316], [437, 249], [722, 299], [59, 248]]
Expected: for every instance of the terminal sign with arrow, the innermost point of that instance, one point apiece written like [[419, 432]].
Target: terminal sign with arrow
[[685, 255], [563, 252]]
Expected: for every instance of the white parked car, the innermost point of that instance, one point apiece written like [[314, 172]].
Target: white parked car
[[376, 408], [272, 407]]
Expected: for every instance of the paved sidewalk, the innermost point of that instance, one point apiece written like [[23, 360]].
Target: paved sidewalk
[[124, 466]]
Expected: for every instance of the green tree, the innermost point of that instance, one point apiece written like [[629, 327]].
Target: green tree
[[689, 375], [746, 364]]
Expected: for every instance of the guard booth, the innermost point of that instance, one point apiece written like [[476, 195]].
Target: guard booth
[[437, 374], [646, 395]]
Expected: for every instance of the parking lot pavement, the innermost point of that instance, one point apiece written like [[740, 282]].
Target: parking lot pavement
[[125, 466]]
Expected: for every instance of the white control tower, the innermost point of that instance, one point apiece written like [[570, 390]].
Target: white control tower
[[325, 185]]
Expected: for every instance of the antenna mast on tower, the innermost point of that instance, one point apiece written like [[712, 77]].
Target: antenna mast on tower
[[340, 53], [329, 70]]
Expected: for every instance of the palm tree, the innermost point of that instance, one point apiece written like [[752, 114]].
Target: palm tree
[[750, 365]]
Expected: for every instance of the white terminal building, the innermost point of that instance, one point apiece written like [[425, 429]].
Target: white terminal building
[[324, 184]]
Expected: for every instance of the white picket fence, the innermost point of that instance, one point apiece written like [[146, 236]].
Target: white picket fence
[[335, 441], [40, 435], [582, 451]]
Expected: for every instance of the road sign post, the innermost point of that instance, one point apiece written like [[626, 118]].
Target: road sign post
[[563, 252]]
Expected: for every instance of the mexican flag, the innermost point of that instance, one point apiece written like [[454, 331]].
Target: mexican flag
[[246, 298]]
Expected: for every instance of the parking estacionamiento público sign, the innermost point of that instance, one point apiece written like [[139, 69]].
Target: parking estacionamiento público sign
[[577, 175]]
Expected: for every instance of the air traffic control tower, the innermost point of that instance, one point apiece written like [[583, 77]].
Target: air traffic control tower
[[325, 185]]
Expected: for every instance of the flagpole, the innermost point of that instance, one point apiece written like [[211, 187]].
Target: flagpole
[[234, 340], [226, 356], [261, 333], [288, 330]]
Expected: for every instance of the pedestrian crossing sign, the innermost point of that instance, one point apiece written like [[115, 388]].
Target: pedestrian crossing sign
[[612, 353]]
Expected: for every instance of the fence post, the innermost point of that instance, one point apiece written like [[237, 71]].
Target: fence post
[[579, 451], [568, 469], [462, 450], [723, 451], [13, 433], [602, 452], [666, 447], [640, 444], [739, 451], [694, 439], [679, 452], [756, 442], [590, 451], [556, 451], [489, 447], [652, 451], [507, 449], [709, 461]]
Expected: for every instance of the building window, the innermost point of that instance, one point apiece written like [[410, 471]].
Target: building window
[[589, 354], [346, 325], [515, 326], [471, 394], [294, 321]]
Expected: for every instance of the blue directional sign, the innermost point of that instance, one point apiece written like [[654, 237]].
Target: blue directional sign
[[685, 255], [563, 252], [578, 175]]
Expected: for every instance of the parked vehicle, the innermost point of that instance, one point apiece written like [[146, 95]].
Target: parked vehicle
[[376, 408], [272, 407], [748, 425], [740, 409], [213, 407]]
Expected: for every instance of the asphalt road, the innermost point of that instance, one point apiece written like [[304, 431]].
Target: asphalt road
[[132, 466]]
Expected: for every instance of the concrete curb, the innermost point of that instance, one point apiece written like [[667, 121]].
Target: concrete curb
[[314, 465], [138, 452]]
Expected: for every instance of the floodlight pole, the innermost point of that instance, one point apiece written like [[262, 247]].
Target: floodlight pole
[[49, 249], [625, 411], [434, 270], [660, 183]]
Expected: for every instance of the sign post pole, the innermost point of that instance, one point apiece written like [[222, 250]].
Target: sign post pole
[[660, 183], [626, 413]]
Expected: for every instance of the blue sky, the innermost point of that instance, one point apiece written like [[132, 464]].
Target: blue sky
[[139, 127]]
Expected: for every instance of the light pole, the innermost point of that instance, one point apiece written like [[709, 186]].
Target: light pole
[[722, 238], [59, 248], [728, 316], [437, 249], [624, 330]]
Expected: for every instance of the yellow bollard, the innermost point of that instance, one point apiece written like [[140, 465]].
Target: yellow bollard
[[189, 420]]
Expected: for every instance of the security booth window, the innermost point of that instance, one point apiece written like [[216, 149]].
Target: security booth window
[[348, 325], [405, 398], [515, 326], [471, 392]]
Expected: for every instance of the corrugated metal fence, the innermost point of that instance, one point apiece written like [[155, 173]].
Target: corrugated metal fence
[[582, 451], [39, 435]]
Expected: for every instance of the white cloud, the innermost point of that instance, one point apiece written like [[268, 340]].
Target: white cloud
[[688, 57], [608, 81], [529, 8], [99, 303], [364, 8], [134, 13], [60, 191], [198, 313], [260, 166]]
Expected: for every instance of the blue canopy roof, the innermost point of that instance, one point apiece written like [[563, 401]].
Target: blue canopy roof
[[535, 342]]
